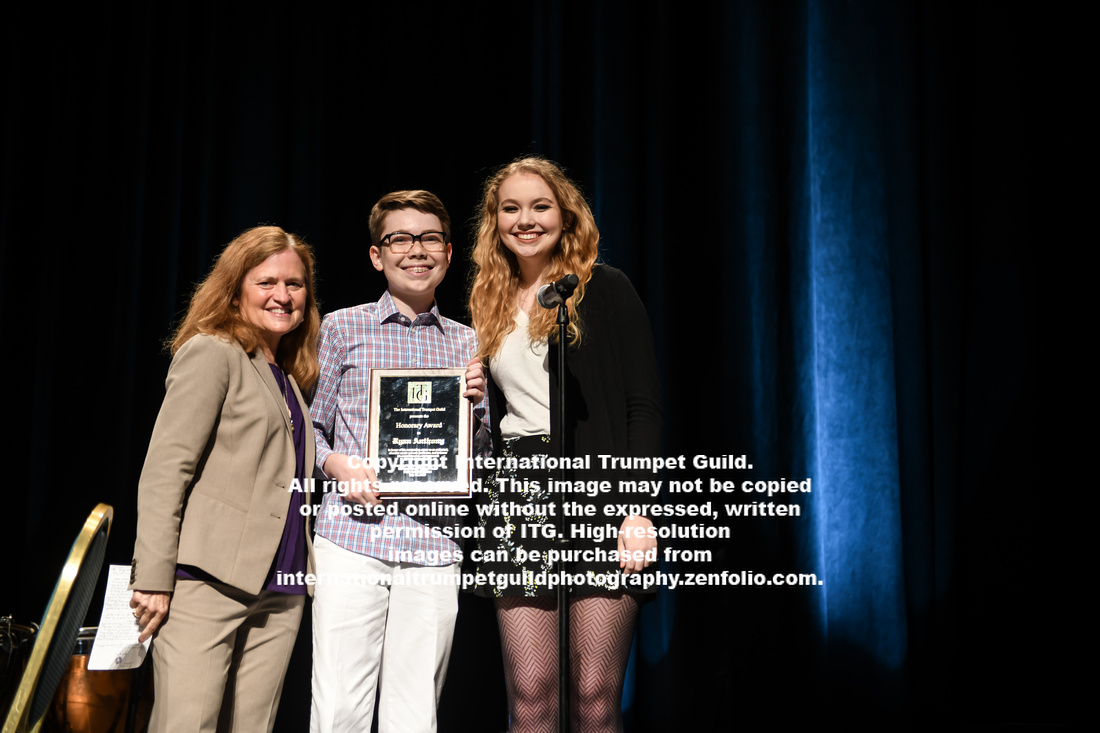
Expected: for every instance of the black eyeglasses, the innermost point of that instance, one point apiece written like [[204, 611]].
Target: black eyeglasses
[[401, 242]]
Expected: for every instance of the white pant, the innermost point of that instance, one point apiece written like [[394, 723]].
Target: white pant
[[362, 626]]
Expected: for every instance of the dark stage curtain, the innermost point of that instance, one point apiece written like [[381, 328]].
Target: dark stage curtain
[[827, 208]]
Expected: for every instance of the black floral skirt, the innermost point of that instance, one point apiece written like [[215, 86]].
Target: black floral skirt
[[518, 520]]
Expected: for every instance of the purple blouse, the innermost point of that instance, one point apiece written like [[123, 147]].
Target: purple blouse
[[290, 558]]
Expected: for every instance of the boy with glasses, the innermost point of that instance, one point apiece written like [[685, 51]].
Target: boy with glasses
[[369, 625]]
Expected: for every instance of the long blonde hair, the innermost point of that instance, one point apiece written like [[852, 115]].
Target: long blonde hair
[[214, 309], [496, 277]]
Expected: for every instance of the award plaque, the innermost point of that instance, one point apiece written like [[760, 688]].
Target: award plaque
[[419, 436]]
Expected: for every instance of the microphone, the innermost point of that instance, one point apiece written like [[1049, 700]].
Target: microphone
[[554, 294]]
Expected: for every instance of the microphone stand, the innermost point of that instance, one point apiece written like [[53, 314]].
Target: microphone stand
[[561, 542], [548, 296]]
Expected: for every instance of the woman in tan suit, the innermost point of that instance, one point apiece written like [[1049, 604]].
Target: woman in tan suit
[[221, 541]]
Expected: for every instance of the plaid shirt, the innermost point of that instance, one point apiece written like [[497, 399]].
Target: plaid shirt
[[353, 341]]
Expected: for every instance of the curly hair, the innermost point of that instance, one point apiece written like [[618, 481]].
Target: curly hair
[[495, 278], [214, 305]]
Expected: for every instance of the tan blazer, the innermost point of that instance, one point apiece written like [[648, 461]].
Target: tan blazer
[[215, 489]]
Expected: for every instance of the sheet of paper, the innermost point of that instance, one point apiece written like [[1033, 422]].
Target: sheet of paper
[[116, 645]]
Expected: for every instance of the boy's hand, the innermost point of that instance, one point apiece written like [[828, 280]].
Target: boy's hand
[[475, 381], [363, 481]]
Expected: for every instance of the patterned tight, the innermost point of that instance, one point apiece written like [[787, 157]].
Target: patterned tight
[[601, 628]]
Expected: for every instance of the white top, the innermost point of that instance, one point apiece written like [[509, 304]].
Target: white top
[[522, 371]]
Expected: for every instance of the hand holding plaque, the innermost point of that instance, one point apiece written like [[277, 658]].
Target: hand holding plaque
[[420, 432]]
